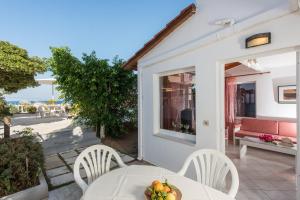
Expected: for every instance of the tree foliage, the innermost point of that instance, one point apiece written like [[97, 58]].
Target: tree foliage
[[17, 69], [4, 108], [105, 93]]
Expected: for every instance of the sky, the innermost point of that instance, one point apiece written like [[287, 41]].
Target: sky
[[110, 27]]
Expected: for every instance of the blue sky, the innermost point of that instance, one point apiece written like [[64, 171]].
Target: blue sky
[[111, 27]]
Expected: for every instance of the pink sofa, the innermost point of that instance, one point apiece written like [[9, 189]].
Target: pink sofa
[[256, 127]]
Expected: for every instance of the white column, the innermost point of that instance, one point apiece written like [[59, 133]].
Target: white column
[[52, 91], [298, 124], [221, 109], [140, 114]]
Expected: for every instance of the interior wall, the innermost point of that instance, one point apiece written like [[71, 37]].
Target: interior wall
[[267, 105]]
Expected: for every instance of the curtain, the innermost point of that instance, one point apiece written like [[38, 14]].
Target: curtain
[[230, 104], [177, 101]]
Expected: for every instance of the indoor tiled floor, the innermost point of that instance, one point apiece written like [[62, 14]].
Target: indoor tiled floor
[[264, 175]]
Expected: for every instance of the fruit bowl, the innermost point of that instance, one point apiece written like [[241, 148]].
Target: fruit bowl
[[162, 191]]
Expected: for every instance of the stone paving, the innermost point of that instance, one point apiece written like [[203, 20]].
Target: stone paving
[[59, 173]]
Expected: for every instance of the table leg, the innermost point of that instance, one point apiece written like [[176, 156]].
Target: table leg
[[243, 150]]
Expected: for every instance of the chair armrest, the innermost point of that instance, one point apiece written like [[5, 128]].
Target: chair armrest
[[237, 128]]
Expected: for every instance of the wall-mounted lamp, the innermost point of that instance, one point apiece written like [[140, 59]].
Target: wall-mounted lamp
[[225, 22], [258, 40]]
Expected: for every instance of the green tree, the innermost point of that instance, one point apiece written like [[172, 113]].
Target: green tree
[[104, 93], [17, 71]]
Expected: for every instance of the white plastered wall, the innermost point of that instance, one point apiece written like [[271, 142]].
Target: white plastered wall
[[208, 57]]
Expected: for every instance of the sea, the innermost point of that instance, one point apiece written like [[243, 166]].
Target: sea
[[32, 102]]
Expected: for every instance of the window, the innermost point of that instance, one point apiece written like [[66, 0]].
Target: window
[[246, 100], [177, 103]]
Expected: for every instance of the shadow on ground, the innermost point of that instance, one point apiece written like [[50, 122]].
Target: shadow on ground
[[68, 140]]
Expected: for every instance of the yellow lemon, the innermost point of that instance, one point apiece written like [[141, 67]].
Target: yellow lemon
[[170, 196], [153, 196]]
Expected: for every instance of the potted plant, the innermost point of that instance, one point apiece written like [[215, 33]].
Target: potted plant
[[21, 165]]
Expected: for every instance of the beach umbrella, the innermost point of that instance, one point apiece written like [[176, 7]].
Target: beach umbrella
[[48, 81]]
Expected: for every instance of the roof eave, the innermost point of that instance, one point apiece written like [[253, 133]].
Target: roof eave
[[185, 14]]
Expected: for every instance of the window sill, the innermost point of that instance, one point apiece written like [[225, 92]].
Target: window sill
[[239, 118], [175, 137]]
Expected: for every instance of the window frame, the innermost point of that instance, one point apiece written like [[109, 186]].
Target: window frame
[[158, 131], [248, 82]]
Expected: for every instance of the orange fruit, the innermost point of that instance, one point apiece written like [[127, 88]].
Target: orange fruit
[[155, 182], [171, 196], [166, 189], [158, 187]]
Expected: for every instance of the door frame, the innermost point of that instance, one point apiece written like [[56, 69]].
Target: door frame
[[221, 94]]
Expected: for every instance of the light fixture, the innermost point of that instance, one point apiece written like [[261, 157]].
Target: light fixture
[[252, 63], [258, 40], [225, 22]]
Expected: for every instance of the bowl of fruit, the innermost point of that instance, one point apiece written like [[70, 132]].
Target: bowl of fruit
[[162, 191]]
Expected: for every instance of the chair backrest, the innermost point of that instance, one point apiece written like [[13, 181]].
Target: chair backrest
[[211, 168], [95, 160]]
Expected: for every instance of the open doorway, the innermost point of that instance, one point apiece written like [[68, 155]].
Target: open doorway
[[261, 120]]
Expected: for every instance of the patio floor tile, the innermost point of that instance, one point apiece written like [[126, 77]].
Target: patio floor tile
[[281, 195], [81, 149], [57, 171], [62, 179], [69, 154], [127, 159], [70, 160], [252, 195], [69, 192], [53, 162]]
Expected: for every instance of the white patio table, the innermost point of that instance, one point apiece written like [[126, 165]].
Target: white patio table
[[129, 183]]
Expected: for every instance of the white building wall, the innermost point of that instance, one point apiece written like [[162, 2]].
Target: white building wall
[[207, 57]]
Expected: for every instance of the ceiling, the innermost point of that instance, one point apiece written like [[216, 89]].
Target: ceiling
[[264, 63]]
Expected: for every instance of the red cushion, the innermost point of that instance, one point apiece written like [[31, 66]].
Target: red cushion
[[242, 133], [261, 126], [288, 129]]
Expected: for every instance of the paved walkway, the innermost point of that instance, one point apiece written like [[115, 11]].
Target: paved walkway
[[58, 134], [66, 140]]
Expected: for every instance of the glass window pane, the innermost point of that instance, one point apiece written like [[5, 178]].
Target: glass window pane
[[246, 100], [177, 103]]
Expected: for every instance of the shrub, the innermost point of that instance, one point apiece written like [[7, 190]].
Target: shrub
[[31, 109], [13, 109], [21, 162], [51, 102], [26, 132]]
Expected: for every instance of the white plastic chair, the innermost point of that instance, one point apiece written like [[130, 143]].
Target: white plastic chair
[[95, 160], [211, 168]]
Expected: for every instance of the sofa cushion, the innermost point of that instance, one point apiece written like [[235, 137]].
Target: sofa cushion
[[288, 129], [260, 125], [294, 139], [242, 133]]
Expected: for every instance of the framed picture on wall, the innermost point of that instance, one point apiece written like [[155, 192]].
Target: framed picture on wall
[[287, 94]]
